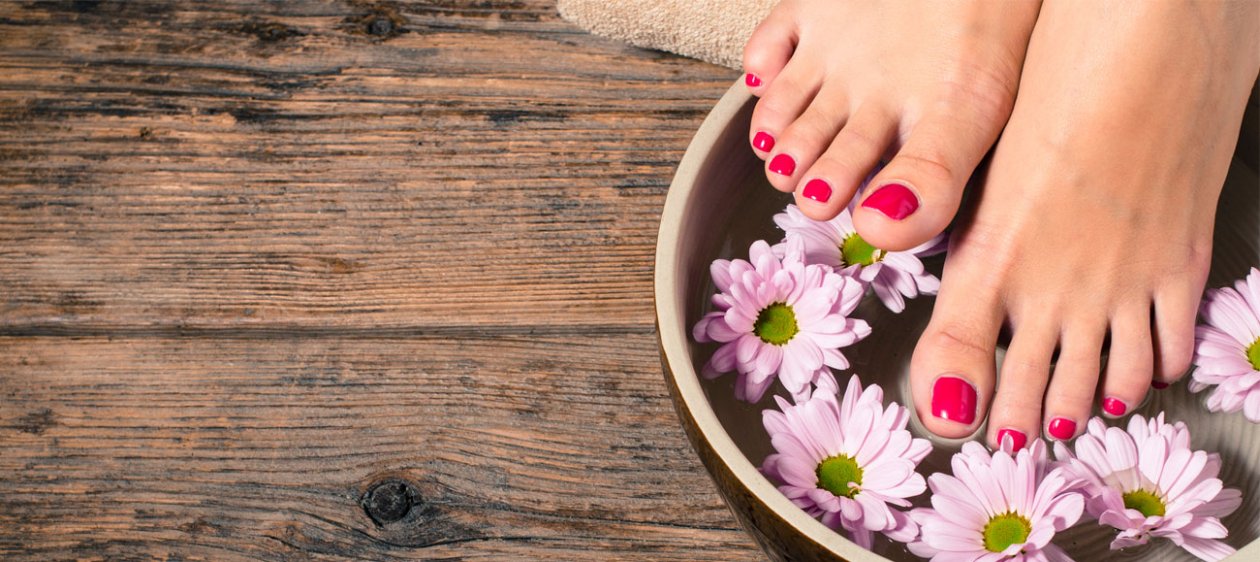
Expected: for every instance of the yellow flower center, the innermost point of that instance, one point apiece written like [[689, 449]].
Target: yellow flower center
[[776, 324], [1005, 530], [1253, 354], [856, 251], [835, 474], [1148, 503]]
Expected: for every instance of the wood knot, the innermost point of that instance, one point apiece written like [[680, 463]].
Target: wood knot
[[382, 21], [389, 501], [380, 26]]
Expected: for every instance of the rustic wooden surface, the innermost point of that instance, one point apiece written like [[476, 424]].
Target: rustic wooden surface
[[338, 280]]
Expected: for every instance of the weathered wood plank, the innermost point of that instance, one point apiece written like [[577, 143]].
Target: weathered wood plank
[[246, 448], [222, 167]]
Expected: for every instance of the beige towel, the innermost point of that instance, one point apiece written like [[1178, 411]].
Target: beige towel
[[710, 30]]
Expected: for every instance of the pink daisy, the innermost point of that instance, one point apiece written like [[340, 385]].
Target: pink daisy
[[1147, 482], [779, 317], [998, 507], [894, 276], [1227, 348], [845, 460]]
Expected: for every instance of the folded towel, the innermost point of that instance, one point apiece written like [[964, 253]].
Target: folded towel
[[710, 30]]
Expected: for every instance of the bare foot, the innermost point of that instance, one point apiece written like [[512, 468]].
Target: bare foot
[[1095, 218], [844, 85]]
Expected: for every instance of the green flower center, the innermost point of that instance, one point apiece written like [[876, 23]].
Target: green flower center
[[856, 251], [1005, 530], [1145, 502], [776, 324], [835, 473], [1253, 355]]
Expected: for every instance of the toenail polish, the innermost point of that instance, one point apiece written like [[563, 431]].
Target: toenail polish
[[1018, 439], [818, 190], [1062, 429], [783, 165], [896, 201], [1159, 385], [751, 80], [763, 141], [954, 399], [1114, 406]]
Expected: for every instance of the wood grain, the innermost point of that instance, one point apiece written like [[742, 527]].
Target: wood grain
[[257, 259]]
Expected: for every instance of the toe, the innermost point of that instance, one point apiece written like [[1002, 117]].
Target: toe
[[768, 49], [781, 105], [828, 186], [807, 137], [951, 373], [1127, 375], [1070, 395], [1176, 309], [917, 195], [1021, 387]]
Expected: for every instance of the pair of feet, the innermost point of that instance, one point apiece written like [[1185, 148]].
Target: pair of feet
[[1091, 229]]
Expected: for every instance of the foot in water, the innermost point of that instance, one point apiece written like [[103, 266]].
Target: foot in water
[[1092, 229], [924, 86]]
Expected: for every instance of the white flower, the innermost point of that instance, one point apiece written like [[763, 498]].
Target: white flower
[[893, 276], [779, 317]]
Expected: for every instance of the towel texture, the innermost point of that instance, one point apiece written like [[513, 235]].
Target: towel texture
[[710, 30]]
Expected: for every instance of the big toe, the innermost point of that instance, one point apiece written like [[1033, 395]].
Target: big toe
[[917, 194], [952, 372]]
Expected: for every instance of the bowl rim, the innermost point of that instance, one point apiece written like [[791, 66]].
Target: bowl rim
[[673, 337], [674, 341]]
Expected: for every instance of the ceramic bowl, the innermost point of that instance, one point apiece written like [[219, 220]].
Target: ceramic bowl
[[719, 203]]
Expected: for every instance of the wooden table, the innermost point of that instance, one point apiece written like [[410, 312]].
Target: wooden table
[[338, 280]]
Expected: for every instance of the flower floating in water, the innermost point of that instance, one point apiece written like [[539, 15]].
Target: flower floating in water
[[845, 460], [779, 316], [1227, 348], [998, 507], [1147, 482], [894, 276]]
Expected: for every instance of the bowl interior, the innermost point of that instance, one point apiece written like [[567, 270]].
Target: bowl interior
[[729, 205]]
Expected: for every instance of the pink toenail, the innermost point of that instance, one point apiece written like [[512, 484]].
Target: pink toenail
[[763, 141], [1018, 439], [752, 80], [954, 399], [818, 190], [1062, 428], [783, 165], [1159, 385], [1114, 406], [896, 201]]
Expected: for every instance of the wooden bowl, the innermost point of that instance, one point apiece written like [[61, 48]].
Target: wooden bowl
[[719, 203]]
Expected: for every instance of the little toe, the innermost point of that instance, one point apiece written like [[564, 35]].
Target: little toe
[[1016, 411], [917, 194], [782, 104], [1127, 376], [1070, 395], [951, 373], [769, 48], [802, 142], [828, 186], [1176, 310]]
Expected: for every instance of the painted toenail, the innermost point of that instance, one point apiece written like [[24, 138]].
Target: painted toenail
[[1062, 428], [896, 201], [1159, 385], [763, 141], [783, 165], [954, 399], [1114, 406], [1017, 437], [818, 190], [752, 80]]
